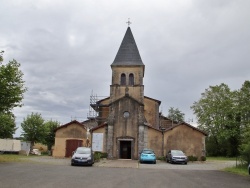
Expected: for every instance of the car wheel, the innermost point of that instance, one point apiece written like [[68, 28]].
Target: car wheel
[[72, 164], [154, 162], [140, 161]]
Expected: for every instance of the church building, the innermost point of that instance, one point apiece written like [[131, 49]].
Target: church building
[[128, 121]]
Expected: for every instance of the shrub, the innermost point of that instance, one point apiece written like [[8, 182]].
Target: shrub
[[97, 156], [161, 158], [192, 158], [203, 158], [104, 155], [45, 153]]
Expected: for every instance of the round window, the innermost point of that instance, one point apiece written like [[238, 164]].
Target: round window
[[126, 114]]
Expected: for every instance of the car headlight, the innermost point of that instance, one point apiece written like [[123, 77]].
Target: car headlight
[[89, 158]]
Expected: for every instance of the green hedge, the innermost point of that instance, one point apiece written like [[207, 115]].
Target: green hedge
[[98, 155], [161, 158], [192, 158]]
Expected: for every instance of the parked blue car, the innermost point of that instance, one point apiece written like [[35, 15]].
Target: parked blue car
[[147, 155]]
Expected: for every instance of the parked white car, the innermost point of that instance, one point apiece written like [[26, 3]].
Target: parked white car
[[36, 152]]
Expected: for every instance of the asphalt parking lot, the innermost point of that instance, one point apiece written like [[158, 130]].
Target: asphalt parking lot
[[49, 172], [207, 165]]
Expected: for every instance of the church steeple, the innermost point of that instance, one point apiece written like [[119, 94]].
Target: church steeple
[[128, 53], [127, 71]]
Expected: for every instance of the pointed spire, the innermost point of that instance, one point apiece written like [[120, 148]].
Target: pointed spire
[[128, 53]]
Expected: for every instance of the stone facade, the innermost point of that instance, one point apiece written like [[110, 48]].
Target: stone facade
[[134, 122], [129, 121]]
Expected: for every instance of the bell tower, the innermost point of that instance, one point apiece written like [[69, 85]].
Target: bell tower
[[126, 105], [127, 71]]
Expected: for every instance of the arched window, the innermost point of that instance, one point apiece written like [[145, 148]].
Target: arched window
[[123, 79], [131, 79]]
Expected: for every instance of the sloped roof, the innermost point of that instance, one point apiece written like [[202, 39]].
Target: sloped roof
[[127, 96], [98, 127], [147, 125], [72, 122], [128, 53], [184, 123], [107, 98], [159, 102]]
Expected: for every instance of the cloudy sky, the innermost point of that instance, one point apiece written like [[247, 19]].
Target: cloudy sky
[[66, 48]]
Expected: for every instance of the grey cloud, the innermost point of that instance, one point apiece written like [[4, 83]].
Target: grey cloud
[[66, 49]]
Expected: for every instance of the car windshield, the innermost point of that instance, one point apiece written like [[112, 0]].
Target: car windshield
[[83, 150], [148, 151], [177, 152]]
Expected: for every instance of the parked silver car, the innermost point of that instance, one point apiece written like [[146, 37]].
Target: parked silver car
[[176, 156], [82, 156]]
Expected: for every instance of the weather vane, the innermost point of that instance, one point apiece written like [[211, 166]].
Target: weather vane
[[129, 22]]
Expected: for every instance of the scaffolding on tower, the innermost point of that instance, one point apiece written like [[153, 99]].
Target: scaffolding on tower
[[95, 108]]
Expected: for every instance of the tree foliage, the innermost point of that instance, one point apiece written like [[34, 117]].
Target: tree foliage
[[11, 95], [11, 86], [33, 128], [245, 146], [243, 101], [175, 114], [244, 111], [49, 137], [1, 56], [7, 125], [222, 113]]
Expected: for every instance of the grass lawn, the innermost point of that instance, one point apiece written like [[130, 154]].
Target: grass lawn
[[240, 169], [14, 158], [221, 158]]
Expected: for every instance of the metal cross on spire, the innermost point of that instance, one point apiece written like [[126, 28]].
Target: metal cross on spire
[[129, 22]]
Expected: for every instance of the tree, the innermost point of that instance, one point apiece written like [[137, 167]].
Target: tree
[[33, 128], [245, 146], [49, 138], [243, 100], [244, 111], [7, 125], [11, 94], [175, 115], [11, 86], [1, 56], [217, 115]]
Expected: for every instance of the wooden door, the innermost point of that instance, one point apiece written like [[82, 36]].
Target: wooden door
[[72, 145]]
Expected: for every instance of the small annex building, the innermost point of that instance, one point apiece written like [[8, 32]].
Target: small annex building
[[70, 136]]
